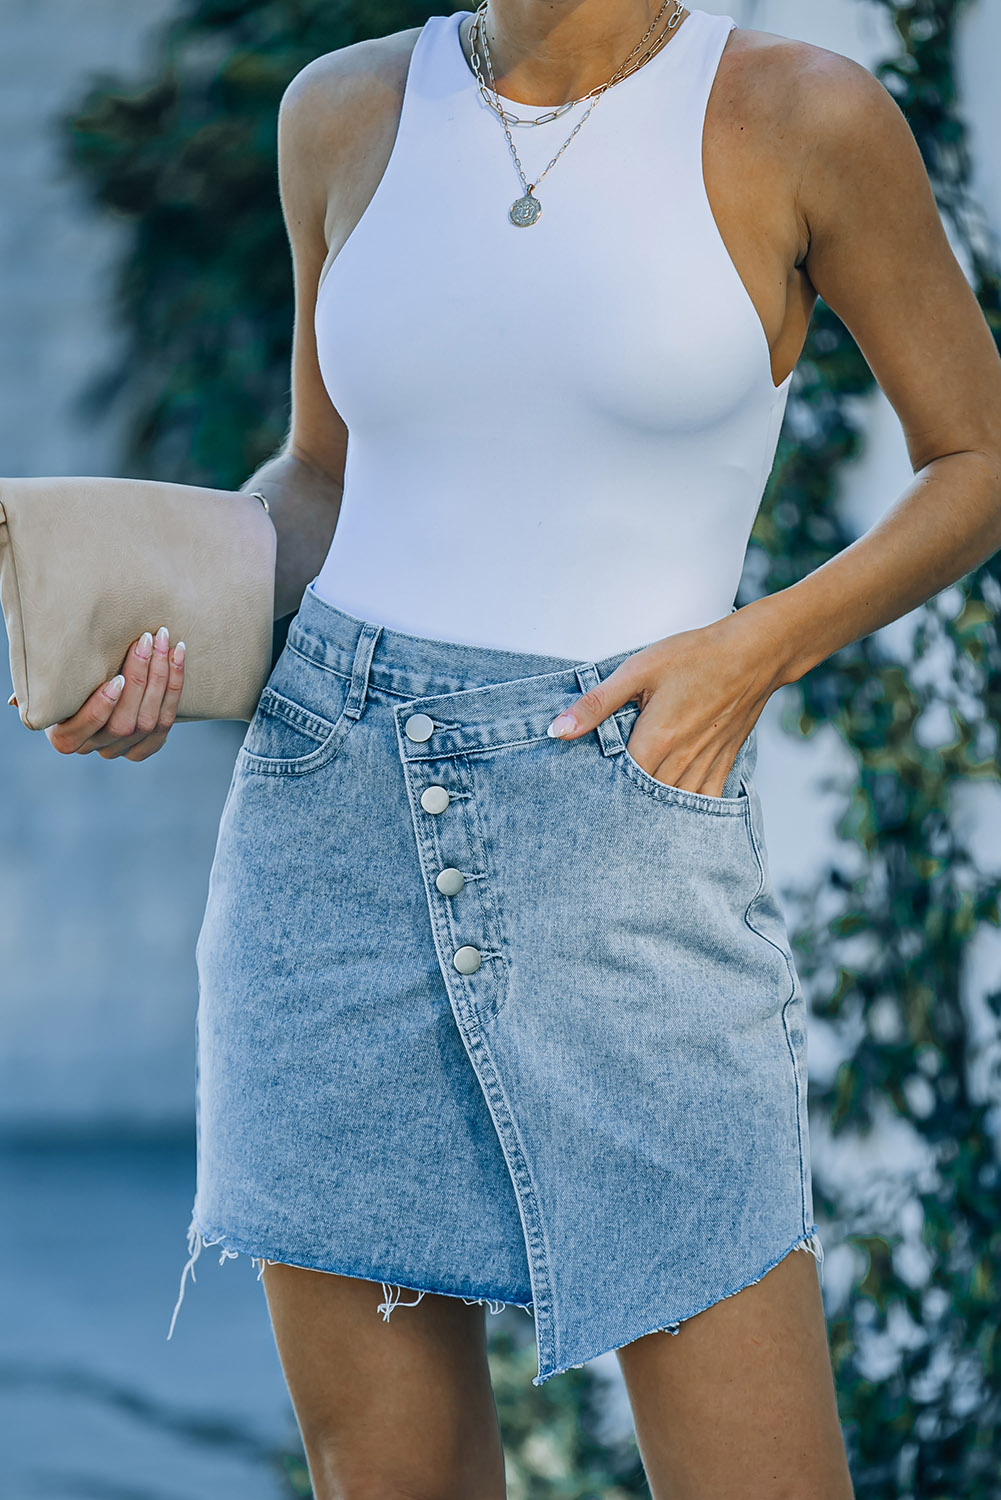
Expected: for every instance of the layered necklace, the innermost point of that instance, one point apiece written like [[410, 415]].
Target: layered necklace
[[525, 211]]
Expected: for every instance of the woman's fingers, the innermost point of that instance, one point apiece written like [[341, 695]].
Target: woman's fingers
[[626, 683], [129, 716], [707, 773], [168, 708], [157, 707], [72, 734], [692, 719], [135, 669], [148, 712], [175, 681]]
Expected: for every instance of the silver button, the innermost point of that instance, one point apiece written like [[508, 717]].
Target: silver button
[[468, 959], [435, 799], [419, 727], [450, 881]]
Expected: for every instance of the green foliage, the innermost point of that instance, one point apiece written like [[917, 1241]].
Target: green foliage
[[553, 1446], [885, 934], [189, 158], [884, 941]]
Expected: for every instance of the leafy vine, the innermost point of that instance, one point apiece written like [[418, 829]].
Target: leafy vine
[[885, 943]]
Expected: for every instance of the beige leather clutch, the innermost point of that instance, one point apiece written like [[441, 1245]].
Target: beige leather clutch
[[88, 564]]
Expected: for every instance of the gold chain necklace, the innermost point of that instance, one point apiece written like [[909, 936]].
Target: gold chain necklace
[[525, 211]]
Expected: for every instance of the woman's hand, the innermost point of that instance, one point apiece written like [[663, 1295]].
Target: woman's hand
[[130, 715], [700, 694]]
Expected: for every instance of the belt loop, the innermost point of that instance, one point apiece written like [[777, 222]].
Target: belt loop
[[367, 637], [609, 734]]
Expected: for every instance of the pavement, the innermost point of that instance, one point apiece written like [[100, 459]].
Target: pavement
[[95, 1403]]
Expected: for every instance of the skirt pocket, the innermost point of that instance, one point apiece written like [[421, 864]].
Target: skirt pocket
[[699, 802], [300, 722]]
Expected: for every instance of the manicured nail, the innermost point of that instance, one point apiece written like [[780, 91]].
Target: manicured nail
[[114, 687], [564, 723], [179, 654], [144, 646], [162, 639]]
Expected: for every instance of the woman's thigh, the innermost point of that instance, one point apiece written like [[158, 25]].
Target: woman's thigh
[[740, 1404], [403, 1407]]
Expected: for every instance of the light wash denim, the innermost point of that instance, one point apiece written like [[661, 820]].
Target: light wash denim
[[606, 1122]]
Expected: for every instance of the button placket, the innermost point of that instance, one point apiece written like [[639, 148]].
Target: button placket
[[448, 846], [476, 989]]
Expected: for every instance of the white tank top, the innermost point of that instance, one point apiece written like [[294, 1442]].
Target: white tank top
[[558, 436]]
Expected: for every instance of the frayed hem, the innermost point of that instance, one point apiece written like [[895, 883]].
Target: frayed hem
[[196, 1243], [492, 1304], [392, 1292], [810, 1242]]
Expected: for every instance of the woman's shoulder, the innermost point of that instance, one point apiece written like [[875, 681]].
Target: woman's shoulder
[[799, 88], [349, 86]]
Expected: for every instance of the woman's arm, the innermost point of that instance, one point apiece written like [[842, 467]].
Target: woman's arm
[[132, 715], [336, 127], [303, 482], [879, 256], [880, 259]]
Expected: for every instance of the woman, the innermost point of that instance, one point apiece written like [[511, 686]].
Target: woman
[[496, 1002]]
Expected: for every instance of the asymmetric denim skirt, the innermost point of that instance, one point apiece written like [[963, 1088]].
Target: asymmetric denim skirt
[[490, 1014]]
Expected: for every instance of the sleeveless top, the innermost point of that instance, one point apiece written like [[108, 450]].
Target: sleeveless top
[[559, 435]]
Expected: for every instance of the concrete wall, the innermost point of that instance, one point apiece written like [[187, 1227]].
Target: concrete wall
[[103, 865]]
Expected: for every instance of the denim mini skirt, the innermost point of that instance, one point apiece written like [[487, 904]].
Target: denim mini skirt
[[489, 1014]]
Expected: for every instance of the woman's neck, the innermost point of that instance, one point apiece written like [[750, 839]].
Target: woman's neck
[[543, 50]]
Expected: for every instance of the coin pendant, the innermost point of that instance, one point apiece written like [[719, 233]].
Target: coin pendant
[[525, 211]]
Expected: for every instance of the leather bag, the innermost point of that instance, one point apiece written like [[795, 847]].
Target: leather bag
[[88, 564]]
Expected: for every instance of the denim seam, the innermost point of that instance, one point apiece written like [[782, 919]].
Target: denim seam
[[665, 792], [437, 900], [280, 706], [533, 739], [441, 917], [790, 974], [378, 687], [471, 1032], [375, 685], [525, 1193], [476, 833], [302, 765], [287, 711], [678, 796], [314, 661], [470, 1029]]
